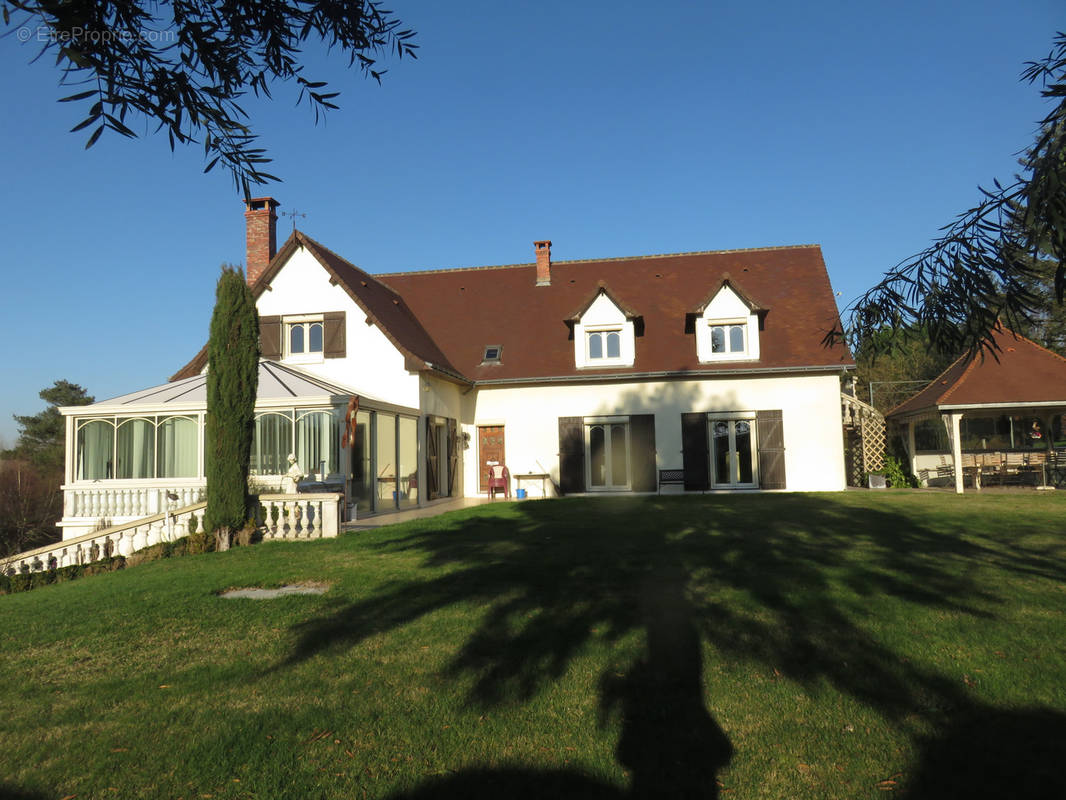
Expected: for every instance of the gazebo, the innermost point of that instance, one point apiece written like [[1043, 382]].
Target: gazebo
[[994, 416]]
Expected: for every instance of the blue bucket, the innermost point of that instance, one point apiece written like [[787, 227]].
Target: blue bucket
[[520, 494]]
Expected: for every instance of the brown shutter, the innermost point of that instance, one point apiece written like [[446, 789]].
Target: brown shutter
[[431, 460], [571, 455], [694, 455], [642, 452], [334, 344], [270, 337], [771, 432], [453, 456]]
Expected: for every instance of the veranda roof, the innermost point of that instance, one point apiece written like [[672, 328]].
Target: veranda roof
[[1022, 373], [278, 383]]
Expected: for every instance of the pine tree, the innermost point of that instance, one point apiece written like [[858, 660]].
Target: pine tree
[[41, 435], [232, 378]]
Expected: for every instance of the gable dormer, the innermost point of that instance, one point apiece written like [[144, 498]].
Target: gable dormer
[[727, 326], [604, 332]]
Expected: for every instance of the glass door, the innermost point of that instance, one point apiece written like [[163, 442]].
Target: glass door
[[607, 455], [733, 458]]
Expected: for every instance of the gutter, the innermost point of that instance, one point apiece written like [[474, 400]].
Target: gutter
[[614, 376]]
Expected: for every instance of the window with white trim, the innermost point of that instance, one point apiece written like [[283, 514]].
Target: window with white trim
[[729, 336], [602, 346], [304, 338]]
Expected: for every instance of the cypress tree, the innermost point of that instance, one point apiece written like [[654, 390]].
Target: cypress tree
[[232, 378]]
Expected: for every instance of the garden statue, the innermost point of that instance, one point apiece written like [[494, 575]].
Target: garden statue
[[293, 476]]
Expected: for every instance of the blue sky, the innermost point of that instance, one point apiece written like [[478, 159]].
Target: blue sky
[[612, 128]]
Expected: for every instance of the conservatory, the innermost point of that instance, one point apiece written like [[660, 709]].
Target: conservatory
[[143, 453]]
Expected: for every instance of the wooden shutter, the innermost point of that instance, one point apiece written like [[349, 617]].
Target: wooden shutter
[[431, 459], [334, 330], [571, 455], [771, 432], [453, 456], [694, 455], [270, 337], [642, 452]]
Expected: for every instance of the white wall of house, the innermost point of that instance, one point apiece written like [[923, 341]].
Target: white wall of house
[[810, 405], [373, 364]]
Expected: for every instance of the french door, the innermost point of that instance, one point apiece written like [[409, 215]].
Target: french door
[[734, 463], [607, 454]]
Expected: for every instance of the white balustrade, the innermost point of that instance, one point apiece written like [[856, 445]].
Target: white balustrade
[[97, 502], [292, 517], [299, 516]]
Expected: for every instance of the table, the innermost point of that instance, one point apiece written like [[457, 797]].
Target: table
[[543, 477]]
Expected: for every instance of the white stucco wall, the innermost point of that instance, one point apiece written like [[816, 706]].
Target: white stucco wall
[[810, 405], [373, 365]]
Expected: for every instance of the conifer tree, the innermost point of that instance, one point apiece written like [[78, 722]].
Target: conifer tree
[[232, 378]]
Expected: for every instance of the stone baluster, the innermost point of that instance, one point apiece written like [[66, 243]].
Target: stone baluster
[[275, 519], [125, 546], [138, 538]]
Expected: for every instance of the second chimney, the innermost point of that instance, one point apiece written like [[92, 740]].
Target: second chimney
[[543, 250], [261, 236]]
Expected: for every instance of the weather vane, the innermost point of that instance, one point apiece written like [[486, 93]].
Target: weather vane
[[293, 214]]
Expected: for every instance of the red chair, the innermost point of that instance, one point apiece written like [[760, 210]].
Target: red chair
[[499, 478]]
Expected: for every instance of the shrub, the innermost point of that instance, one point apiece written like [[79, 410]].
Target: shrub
[[895, 474]]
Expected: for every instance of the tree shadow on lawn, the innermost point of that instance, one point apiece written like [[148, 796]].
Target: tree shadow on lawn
[[757, 579], [11, 792]]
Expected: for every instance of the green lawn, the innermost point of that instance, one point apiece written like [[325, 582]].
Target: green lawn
[[761, 646]]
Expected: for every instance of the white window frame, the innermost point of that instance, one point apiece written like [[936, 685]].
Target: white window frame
[[735, 416], [604, 360], [588, 423], [306, 320], [727, 324]]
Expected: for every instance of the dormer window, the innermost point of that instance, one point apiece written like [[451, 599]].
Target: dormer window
[[727, 326], [492, 355], [604, 332]]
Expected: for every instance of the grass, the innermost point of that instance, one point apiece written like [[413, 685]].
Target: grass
[[803, 646]]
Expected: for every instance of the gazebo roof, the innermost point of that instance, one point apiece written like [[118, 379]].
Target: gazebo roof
[[277, 383], [1020, 373]]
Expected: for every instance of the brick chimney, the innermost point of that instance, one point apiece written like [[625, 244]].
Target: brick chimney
[[261, 236], [543, 250]]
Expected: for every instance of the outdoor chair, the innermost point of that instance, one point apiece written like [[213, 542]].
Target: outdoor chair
[[499, 478]]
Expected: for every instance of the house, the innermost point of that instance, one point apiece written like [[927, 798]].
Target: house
[[993, 416], [580, 376]]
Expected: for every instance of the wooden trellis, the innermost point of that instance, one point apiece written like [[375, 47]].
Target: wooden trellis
[[864, 438]]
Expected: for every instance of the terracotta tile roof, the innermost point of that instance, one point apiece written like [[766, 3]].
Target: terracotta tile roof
[[469, 308], [445, 318], [383, 306], [1020, 372]]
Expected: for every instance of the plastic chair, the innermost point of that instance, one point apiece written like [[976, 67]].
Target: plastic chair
[[499, 478]]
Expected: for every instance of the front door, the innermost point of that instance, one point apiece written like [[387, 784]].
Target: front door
[[733, 458], [607, 455], [490, 448]]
